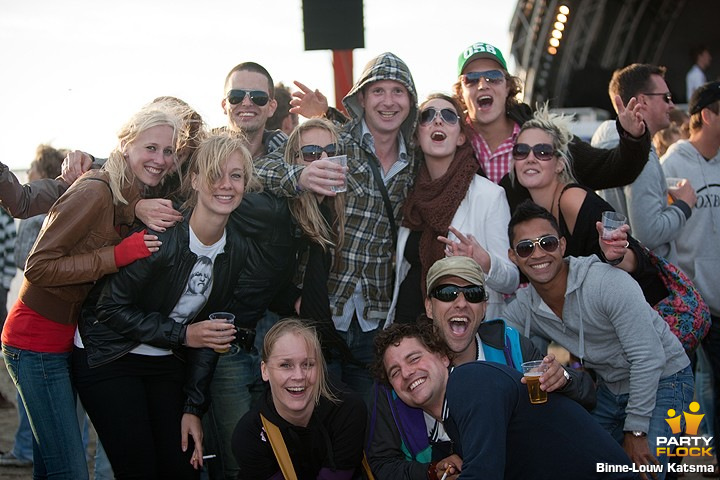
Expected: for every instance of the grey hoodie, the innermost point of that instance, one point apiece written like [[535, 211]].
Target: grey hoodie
[[697, 250], [608, 325]]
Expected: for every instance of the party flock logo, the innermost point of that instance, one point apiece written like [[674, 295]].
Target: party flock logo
[[689, 445]]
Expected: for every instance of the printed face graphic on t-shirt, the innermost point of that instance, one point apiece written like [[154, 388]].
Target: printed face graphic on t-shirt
[[200, 277]]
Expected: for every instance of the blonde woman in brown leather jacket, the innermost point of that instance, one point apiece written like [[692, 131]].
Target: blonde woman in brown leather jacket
[[81, 241]]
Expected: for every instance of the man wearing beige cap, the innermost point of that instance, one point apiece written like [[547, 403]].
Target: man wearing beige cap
[[404, 443]]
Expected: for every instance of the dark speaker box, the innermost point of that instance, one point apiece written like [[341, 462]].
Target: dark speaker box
[[333, 24]]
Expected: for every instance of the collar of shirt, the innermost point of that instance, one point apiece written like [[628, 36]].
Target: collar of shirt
[[369, 142], [495, 164]]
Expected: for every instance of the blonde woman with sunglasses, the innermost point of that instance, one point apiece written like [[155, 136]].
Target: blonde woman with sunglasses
[[542, 163]]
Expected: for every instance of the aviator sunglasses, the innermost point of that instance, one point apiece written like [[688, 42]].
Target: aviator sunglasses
[[258, 97], [493, 77], [429, 114], [542, 151], [525, 248], [310, 153], [448, 293]]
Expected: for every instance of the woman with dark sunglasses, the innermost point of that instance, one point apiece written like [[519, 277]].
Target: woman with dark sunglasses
[[321, 221], [449, 206], [542, 163]]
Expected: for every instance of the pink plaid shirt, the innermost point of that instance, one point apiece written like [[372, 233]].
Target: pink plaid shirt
[[495, 164]]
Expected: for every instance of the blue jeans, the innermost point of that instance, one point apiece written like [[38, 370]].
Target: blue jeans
[[674, 391], [23, 447], [43, 380], [357, 378], [235, 385]]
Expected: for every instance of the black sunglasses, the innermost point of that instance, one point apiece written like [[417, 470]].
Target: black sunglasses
[[429, 114], [448, 293], [667, 96], [493, 77], [258, 97], [542, 151], [525, 248], [310, 153]]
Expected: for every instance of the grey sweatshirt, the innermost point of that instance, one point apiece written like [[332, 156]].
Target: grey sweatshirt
[[608, 325], [697, 249]]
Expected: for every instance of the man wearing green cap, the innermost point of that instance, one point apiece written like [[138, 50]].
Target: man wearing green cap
[[489, 94]]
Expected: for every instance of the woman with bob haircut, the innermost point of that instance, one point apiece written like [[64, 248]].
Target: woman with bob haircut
[[142, 398], [322, 429], [82, 239]]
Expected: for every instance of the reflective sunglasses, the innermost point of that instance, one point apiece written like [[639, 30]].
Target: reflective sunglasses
[[493, 77], [448, 293], [667, 96], [448, 115], [310, 153], [542, 151], [525, 248], [258, 97]]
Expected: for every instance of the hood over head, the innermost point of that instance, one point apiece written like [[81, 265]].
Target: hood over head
[[386, 66]]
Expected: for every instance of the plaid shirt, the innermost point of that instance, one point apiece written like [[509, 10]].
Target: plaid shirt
[[495, 164], [367, 262]]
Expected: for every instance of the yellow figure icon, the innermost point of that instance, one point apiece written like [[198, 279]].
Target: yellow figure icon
[[692, 420], [674, 421]]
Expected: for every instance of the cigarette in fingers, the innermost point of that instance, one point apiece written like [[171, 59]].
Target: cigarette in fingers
[[207, 457], [445, 474]]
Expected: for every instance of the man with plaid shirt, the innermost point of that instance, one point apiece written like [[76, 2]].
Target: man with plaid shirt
[[383, 110]]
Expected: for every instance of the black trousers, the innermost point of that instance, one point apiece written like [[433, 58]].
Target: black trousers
[[135, 404]]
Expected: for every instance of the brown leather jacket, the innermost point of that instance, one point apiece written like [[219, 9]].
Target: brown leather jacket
[[75, 247]]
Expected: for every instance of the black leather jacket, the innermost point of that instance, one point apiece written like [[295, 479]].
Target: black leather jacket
[[134, 304]]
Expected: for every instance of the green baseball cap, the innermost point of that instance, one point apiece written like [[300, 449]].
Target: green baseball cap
[[480, 50]]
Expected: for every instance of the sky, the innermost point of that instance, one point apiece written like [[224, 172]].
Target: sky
[[73, 71]]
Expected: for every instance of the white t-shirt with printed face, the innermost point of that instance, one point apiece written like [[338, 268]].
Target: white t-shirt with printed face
[[197, 288]]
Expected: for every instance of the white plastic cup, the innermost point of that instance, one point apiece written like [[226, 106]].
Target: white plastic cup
[[612, 221], [340, 160]]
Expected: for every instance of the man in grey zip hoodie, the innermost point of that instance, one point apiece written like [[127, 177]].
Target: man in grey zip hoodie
[[698, 160], [597, 312]]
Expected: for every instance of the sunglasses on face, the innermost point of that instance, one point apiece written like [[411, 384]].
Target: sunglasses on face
[[525, 248], [667, 96], [429, 114], [493, 77], [448, 293], [310, 153], [258, 97], [542, 151]]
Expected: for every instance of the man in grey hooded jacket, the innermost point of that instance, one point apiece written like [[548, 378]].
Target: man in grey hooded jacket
[[597, 313], [383, 109]]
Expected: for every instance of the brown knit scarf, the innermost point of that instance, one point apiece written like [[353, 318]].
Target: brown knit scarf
[[431, 205]]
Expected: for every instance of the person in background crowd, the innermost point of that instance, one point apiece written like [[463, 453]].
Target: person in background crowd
[[695, 77], [698, 160], [282, 119], [321, 430]]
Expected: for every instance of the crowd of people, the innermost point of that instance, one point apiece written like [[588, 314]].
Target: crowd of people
[[380, 311]]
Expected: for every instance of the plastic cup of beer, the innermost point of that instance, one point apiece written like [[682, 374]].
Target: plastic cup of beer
[[342, 161], [533, 371], [225, 317], [612, 221], [673, 184]]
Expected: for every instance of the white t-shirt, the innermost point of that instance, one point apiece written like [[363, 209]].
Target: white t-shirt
[[196, 292]]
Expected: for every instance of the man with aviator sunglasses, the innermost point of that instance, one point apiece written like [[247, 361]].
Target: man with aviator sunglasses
[[598, 313], [489, 94], [456, 305]]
